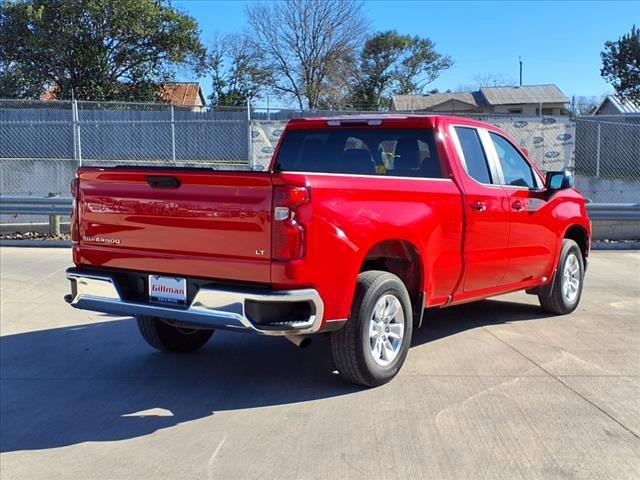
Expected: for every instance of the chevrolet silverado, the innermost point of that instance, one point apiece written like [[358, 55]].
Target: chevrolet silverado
[[358, 225]]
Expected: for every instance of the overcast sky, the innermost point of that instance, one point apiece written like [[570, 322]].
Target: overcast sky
[[560, 42]]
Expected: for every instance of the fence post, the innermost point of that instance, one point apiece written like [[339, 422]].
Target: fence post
[[77, 145], [249, 149], [54, 220], [173, 135], [73, 129], [598, 152]]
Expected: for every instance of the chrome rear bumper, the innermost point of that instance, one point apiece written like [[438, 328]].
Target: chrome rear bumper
[[210, 308]]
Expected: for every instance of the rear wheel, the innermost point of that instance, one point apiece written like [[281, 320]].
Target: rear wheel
[[567, 287], [171, 338], [370, 349]]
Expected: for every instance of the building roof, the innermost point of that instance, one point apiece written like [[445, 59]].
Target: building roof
[[50, 94], [525, 94], [424, 102], [485, 97], [182, 94], [621, 105]]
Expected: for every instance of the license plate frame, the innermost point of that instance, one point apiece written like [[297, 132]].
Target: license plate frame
[[168, 290]]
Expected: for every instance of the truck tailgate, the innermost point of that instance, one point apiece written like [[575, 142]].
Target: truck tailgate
[[184, 222]]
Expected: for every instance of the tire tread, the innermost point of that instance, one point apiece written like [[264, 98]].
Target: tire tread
[[344, 342], [167, 338], [554, 303], [149, 331]]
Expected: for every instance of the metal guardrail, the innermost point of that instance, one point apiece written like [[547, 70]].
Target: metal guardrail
[[614, 211], [58, 206], [36, 205], [53, 206]]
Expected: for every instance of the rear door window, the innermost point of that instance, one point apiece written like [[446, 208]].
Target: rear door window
[[360, 151], [475, 159]]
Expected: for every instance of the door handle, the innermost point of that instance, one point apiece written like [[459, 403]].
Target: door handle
[[478, 206], [518, 206]]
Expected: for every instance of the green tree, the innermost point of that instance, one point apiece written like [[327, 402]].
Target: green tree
[[235, 71], [621, 65], [94, 49], [392, 64]]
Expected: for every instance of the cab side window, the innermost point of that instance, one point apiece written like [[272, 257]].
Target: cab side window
[[515, 169], [475, 160]]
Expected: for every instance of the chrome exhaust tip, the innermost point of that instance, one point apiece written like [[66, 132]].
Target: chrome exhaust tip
[[301, 341]]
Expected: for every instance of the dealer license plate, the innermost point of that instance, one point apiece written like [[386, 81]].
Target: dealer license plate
[[167, 290]]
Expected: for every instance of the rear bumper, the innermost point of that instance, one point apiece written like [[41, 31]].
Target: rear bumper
[[210, 308]]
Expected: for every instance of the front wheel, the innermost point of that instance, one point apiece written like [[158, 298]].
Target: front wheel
[[171, 338], [370, 349], [567, 287]]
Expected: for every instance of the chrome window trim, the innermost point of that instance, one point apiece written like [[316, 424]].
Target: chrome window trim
[[494, 161], [458, 146], [363, 176], [517, 187]]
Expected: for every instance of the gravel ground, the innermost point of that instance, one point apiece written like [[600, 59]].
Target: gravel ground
[[33, 236]]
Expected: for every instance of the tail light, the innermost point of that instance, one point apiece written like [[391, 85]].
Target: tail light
[[288, 234], [74, 187], [75, 214]]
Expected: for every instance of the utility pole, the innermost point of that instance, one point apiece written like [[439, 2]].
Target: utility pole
[[520, 60]]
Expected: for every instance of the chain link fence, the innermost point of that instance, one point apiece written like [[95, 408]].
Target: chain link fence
[[603, 152], [607, 158], [42, 143]]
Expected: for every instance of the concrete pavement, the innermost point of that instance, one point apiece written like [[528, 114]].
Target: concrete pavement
[[495, 389]]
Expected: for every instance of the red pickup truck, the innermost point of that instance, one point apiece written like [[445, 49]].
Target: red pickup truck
[[358, 225]]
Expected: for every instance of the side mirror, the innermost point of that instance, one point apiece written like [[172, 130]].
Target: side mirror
[[559, 180], [526, 152]]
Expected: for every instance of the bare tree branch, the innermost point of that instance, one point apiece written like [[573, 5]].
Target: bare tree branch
[[304, 43]]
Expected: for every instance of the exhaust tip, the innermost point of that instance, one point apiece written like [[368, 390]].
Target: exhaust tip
[[301, 341]]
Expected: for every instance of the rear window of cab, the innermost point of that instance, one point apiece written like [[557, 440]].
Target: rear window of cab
[[360, 151]]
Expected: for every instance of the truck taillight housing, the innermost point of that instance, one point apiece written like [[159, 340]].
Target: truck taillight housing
[[75, 214], [288, 241]]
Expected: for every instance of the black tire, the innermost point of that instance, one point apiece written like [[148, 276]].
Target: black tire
[[558, 302], [351, 347], [169, 338]]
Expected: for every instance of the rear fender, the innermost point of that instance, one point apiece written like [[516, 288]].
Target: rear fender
[[400, 249]]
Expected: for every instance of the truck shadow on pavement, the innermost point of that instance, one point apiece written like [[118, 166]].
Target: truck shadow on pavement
[[101, 382]]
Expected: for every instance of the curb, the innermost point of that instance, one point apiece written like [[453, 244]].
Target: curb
[[36, 243], [615, 246]]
